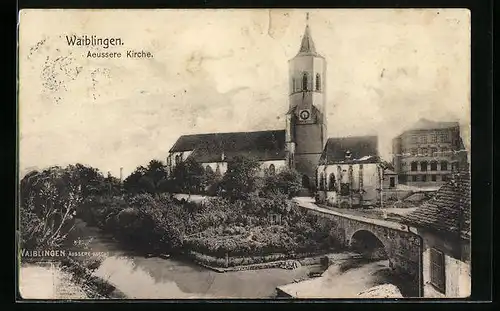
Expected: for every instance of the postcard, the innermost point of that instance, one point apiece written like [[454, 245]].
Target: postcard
[[244, 153]]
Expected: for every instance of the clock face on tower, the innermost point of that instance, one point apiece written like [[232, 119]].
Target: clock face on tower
[[304, 115]]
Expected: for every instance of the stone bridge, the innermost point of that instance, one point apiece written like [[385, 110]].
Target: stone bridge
[[376, 239]]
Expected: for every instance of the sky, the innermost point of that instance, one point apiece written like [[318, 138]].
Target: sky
[[227, 71]]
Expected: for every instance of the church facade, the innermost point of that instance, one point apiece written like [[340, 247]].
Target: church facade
[[302, 145], [350, 172]]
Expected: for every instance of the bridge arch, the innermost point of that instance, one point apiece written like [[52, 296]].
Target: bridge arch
[[368, 244]]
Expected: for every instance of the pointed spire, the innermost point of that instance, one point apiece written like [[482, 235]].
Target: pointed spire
[[307, 45]]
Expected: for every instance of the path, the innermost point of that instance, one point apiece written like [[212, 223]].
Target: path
[[308, 203]]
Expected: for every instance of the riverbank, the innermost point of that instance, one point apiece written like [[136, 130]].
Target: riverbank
[[289, 263], [48, 281], [63, 279], [349, 279], [96, 287], [139, 276]]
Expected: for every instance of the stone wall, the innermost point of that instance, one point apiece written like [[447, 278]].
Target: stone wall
[[237, 263]]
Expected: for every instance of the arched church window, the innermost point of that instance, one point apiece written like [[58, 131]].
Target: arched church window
[[272, 169], [331, 182], [304, 81], [322, 181], [318, 82], [423, 166], [294, 86], [217, 169], [209, 170]]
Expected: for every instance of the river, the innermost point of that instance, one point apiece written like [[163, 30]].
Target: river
[[139, 277]]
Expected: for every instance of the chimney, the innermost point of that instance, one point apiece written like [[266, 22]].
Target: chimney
[[121, 174]]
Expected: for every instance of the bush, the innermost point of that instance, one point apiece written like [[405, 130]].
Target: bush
[[48, 204], [217, 227], [287, 182]]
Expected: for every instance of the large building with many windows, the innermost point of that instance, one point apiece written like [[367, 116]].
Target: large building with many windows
[[427, 153]]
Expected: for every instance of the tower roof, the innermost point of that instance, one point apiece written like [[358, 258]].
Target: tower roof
[[307, 45]]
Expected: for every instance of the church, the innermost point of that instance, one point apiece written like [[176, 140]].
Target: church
[[303, 144]]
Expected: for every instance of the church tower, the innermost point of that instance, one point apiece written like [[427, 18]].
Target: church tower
[[306, 131]]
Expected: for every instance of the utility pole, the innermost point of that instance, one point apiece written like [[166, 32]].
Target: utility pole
[[109, 182], [121, 181]]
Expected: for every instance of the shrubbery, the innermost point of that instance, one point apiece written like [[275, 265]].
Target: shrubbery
[[216, 227], [242, 221], [48, 203], [286, 182], [51, 199]]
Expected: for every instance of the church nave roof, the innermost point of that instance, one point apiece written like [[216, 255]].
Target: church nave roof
[[211, 147]]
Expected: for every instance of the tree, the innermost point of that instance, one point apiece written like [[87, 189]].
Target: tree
[[132, 183], [48, 203], [155, 178], [151, 179], [189, 176], [113, 185], [287, 181], [89, 178], [241, 177], [213, 181]]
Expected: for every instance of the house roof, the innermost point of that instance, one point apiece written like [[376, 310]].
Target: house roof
[[261, 145], [389, 172], [426, 124], [363, 149], [449, 210]]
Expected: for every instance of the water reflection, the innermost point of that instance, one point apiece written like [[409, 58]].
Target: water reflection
[[156, 278], [136, 282]]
